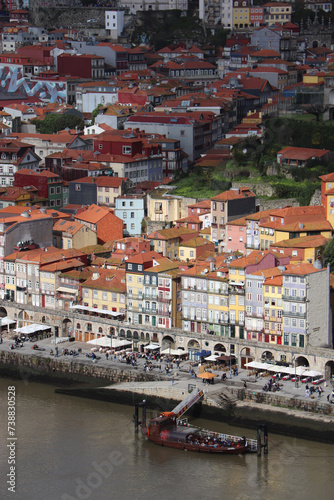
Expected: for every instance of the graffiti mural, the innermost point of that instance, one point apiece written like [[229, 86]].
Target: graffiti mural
[[13, 81]]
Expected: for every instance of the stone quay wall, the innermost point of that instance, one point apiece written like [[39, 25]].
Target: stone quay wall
[[317, 357], [29, 367]]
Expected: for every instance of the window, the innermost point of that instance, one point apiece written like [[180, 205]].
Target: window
[[77, 187], [127, 150]]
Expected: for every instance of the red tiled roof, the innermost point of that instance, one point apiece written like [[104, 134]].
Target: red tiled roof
[[233, 194]]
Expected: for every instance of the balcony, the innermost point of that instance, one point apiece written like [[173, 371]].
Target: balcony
[[253, 246], [254, 315], [294, 299], [187, 317], [295, 314], [165, 313], [149, 297], [163, 300], [238, 290]]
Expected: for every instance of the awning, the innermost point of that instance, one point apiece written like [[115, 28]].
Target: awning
[[174, 352], [152, 347], [6, 321], [96, 310], [213, 357], [30, 329], [312, 373], [257, 365], [64, 289], [102, 341], [203, 353], [225, 358], [108, 342]]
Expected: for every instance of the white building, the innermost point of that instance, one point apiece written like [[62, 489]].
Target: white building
[[215, 12], [142, 5], [114, 23]]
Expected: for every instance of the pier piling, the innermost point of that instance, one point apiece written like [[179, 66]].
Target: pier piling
[[260, 445]]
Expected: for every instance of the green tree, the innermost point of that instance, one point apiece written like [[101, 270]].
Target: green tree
[[53, 123], [328, 254], [95, 112]]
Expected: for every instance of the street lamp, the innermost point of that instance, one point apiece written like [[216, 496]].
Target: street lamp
[[295, 361]]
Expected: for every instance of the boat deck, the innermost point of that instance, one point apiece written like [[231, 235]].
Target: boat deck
[[252, 443]]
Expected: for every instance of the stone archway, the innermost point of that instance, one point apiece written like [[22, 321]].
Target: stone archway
[[67, 328], [219, 348], [167, 342], [3, 312], [193, 346], [22, 317], [329, 370], [246, 356], [302, 361], [267, 356]]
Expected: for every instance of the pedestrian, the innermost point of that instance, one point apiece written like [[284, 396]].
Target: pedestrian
[[307, 393], [328, 397], [173, 380], [107, 356], [245, 385], [56, 352]]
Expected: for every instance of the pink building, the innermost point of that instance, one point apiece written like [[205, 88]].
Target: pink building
[[236, 236]]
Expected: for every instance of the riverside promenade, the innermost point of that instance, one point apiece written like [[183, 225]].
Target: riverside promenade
[[236, 392]]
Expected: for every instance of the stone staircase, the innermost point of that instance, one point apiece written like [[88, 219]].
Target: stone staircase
[[223, 399]]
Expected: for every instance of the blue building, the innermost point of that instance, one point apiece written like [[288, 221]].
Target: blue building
[[131, 209]]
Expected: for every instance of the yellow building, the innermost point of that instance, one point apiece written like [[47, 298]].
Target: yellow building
[[314, 77], [240, 14], [105, 289], [277, 12], [273, 309], [50, 278], [327, 196], [304, 249], [142, 306], [274, 231], [194, 248], [166, 241], [236, 279], [218, 303], [165, 207], [72, 234], [10, 277]]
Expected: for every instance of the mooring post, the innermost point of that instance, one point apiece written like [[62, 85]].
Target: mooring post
[[261, 427], [265, 435], [136, 416], [259, 450]]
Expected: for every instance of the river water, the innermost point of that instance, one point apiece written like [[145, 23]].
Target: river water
[[71, 448]]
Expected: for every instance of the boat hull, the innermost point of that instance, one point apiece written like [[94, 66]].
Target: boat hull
[[222, 450], [201, 449]]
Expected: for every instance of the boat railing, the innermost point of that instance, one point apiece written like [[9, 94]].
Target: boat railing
[[252, 443]]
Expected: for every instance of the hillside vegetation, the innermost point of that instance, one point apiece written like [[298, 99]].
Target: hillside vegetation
[[254, 161]]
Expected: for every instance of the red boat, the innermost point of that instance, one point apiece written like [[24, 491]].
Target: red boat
[[166, 431]]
